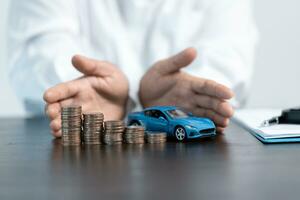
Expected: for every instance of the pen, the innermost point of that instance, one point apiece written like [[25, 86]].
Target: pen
[[288, 116], [269, 122]]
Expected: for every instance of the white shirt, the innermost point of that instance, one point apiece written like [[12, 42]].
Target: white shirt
[[43, 35]]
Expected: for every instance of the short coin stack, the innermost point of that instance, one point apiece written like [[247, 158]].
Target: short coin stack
[[156, 137], [134, 135], [92, 127], [71, 125], [113, 132]]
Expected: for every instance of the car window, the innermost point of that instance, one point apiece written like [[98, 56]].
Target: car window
[[151, 113], [161, 114], [148, 113], [177, 113], [155, 114]]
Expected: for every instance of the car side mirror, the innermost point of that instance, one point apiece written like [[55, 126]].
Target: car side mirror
[[162, 119]]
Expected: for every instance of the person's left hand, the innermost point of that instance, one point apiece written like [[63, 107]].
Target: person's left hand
[[166, 84]]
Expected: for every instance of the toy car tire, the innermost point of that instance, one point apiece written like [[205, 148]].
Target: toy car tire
[[135, 123], [180, 133]]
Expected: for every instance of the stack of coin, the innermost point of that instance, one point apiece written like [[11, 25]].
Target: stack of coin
[[134, 135], [92, 127], [71, 125], [113, 133], [156, 137]]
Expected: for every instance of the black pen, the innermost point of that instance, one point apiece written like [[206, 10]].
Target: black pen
[[270, 122], [288, 116]]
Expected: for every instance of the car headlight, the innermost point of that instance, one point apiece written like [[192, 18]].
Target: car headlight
[[190, 127]]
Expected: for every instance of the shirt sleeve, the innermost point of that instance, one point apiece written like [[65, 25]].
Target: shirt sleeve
[[42, 38], [226, 45]]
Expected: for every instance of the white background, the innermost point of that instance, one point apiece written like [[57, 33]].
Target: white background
[[276, 78]]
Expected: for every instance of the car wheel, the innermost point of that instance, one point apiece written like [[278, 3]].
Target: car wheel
[[135, 123], [180, 133]]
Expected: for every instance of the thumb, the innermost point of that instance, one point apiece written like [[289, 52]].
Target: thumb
[[91, 67], [176, 62]]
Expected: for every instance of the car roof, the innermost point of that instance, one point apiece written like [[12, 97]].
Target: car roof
[[162, 108]]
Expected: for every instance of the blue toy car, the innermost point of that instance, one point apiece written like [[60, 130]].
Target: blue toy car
[[174, 121]]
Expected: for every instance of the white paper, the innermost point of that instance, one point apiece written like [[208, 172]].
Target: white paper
[[253, 118]]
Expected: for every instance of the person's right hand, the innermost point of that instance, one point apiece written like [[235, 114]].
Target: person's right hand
[[103, 88]]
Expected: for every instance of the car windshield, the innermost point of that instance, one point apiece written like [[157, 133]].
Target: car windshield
[[176, 113]]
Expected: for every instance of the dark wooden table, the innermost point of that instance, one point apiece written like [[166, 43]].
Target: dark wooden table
[[234, 165]]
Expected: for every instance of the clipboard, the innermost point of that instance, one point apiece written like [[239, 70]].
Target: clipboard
[[251, 120]]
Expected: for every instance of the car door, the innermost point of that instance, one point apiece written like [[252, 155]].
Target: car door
[[157, 121]]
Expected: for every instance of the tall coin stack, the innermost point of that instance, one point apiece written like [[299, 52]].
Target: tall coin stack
[[113, 132], [156, 137], [71, 125], [92, 127], [134, 135]]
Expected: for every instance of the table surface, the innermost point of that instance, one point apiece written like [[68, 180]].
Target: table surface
[[234, 165]]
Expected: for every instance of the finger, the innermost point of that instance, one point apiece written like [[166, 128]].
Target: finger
[[92, 67], [176, 62], [218, 119], [68, 102], [61, 91], [55, 124], [212, 88], [220, 106], [220, 130], [53, 110], [56, 134]]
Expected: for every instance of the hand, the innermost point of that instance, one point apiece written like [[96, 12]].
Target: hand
[[165, 84], [103, 88]]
